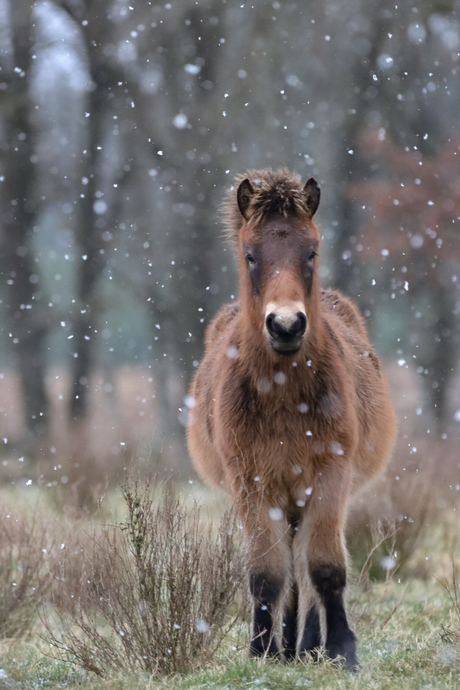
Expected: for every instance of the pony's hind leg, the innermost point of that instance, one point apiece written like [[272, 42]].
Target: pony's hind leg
[[308, 624], [311, 635], [290, 622], [309, 620]]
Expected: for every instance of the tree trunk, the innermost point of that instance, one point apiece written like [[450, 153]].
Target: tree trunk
[[26, 318], [442, 355], [91, 262]]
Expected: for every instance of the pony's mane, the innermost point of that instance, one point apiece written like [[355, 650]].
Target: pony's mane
[[274, 192]]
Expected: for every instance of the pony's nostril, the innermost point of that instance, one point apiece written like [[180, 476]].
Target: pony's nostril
[[299, 327], [269, 322]]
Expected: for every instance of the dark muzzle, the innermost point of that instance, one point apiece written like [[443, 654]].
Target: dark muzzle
[[286, 334]]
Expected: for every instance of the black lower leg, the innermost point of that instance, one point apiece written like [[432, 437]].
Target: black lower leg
[[266, 591], [311, 638], [340, 640], [290, 624]]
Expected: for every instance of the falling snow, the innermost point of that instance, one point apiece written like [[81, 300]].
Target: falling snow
[[276, 514]]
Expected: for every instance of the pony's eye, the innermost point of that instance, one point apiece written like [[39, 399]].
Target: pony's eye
[[250, 259], [312, 255]]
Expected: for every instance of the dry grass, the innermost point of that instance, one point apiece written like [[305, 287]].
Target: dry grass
[[25, 576], [127, 597], [451, 631], [388, 523], [147, 575], [157, 593], [420, 483], [373, 609]]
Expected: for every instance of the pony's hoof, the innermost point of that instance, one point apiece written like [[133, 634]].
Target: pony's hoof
[[344, 658]]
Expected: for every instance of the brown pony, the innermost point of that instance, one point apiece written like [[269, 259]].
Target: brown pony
[[290, 414]]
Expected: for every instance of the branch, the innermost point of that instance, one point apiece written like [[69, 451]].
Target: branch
[[76, 9]]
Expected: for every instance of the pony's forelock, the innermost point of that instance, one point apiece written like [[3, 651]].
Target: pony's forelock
[[275, 192]]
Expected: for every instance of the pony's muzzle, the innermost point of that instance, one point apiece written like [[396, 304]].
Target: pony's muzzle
[[286, 331]]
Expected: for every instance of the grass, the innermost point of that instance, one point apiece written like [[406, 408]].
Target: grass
[[408, 630], [407, 652]]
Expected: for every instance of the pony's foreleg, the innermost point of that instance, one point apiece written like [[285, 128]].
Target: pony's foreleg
[[266, 591], [326, 556], [270, 560]]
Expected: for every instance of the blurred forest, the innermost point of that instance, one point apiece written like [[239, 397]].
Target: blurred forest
[[122, 124]]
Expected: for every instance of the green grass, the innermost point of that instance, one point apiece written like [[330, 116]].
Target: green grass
[[405, 652]]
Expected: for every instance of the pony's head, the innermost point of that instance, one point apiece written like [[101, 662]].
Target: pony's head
[[271, 221]]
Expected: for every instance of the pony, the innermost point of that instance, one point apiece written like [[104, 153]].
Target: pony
[[290, 414]]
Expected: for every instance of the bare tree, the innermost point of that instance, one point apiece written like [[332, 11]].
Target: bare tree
[[106, 167], [27, 317], [412, 212]]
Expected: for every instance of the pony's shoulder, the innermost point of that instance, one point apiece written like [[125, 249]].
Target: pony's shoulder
[[222, 319], [345, 309]]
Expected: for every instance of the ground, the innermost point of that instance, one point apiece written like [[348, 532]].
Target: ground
[[408, 631]]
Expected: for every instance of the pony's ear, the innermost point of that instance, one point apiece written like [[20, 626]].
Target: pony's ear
[[312, 195], [243, 195]]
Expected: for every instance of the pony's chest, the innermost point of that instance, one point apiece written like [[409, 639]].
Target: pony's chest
[[265, 409], [284, 427], [276, 424]]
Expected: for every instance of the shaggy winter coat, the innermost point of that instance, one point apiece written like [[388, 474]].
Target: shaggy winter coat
[[290, 415]]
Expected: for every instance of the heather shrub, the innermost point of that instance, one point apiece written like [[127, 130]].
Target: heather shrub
[[157, 593]]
